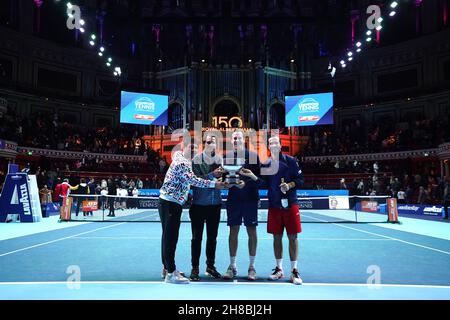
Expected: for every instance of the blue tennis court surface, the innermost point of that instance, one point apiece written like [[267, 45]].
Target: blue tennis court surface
[[120, 260]]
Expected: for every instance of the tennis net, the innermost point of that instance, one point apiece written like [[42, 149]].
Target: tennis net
[[331, 209]]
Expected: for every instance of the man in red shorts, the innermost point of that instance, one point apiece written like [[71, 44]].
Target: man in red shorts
[[282, 184]]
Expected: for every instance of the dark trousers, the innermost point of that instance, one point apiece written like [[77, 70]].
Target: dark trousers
[[199, 215], [111, 204], [79, 203], [170, 215]]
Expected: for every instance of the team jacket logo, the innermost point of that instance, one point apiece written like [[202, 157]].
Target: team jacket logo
[[145, 104]]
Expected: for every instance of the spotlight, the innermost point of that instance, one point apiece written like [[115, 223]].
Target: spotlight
[[82, 30], [93, 36], [115, 73], [292, 60], [100, 54], [159, 60], [109, 59], [350, 53], [342, 62], [203, 61], [380, 19], [358, 44], [118, 70], [344, 65], [70, 15], [102, 49], [108, 64], [249, 60], [379, 27], [394, 4], [392, 14], [350, 58], [369, 39], [358, 50], [369, 32], [82, 22], [92, 43], [69, 5]]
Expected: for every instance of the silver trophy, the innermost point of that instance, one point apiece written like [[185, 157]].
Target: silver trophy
[[232, 177]]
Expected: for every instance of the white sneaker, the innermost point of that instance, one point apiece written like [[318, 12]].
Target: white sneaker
[[277, 274], [295, 277], [176, 278], [231, 273]]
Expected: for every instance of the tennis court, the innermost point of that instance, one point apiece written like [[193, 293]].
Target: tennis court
[[121, 260]]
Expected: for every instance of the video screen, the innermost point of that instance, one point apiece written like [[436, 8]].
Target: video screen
[[309, 109], [143, 108]]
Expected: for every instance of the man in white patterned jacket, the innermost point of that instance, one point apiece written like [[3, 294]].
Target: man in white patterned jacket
[[173, 194]]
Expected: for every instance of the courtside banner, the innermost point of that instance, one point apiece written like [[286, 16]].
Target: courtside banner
[[90, 205], [338, 202], [309, 109], [392, 210], [16, 198], [369, 206], [143, 108], [65, 208]]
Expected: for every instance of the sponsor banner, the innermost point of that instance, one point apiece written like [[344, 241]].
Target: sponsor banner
[[392, 210], [89, 205], [309, 109], [16, 198], [148, 192], [369, 206], [418, 209], [263, 193], [148, 203], [64, 211], [338, 202], [143, 108]]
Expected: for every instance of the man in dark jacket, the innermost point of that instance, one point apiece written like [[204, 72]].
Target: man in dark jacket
[[206, 207]]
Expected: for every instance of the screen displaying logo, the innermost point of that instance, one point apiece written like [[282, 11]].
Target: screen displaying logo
[[309, 110], [143, 108]]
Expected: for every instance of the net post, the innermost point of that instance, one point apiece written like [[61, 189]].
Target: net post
[[356, 212], [392, 210]]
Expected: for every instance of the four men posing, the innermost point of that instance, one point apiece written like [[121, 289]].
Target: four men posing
[[282, 178]]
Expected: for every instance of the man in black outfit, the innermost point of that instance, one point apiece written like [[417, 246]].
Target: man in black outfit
[[112, 192], [206, 207]]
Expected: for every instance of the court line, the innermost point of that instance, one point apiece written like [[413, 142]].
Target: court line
[[270, 283], [60, 239], [300, 239], [387, 237]]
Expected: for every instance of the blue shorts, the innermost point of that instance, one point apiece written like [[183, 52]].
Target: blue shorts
[[246, 211]]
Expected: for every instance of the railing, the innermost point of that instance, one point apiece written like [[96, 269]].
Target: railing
[[8, 149], [73, 155], [422, 153]]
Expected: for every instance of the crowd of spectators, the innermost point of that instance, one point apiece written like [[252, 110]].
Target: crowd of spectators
[[381, 137], [397, 178], [49, 132]]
